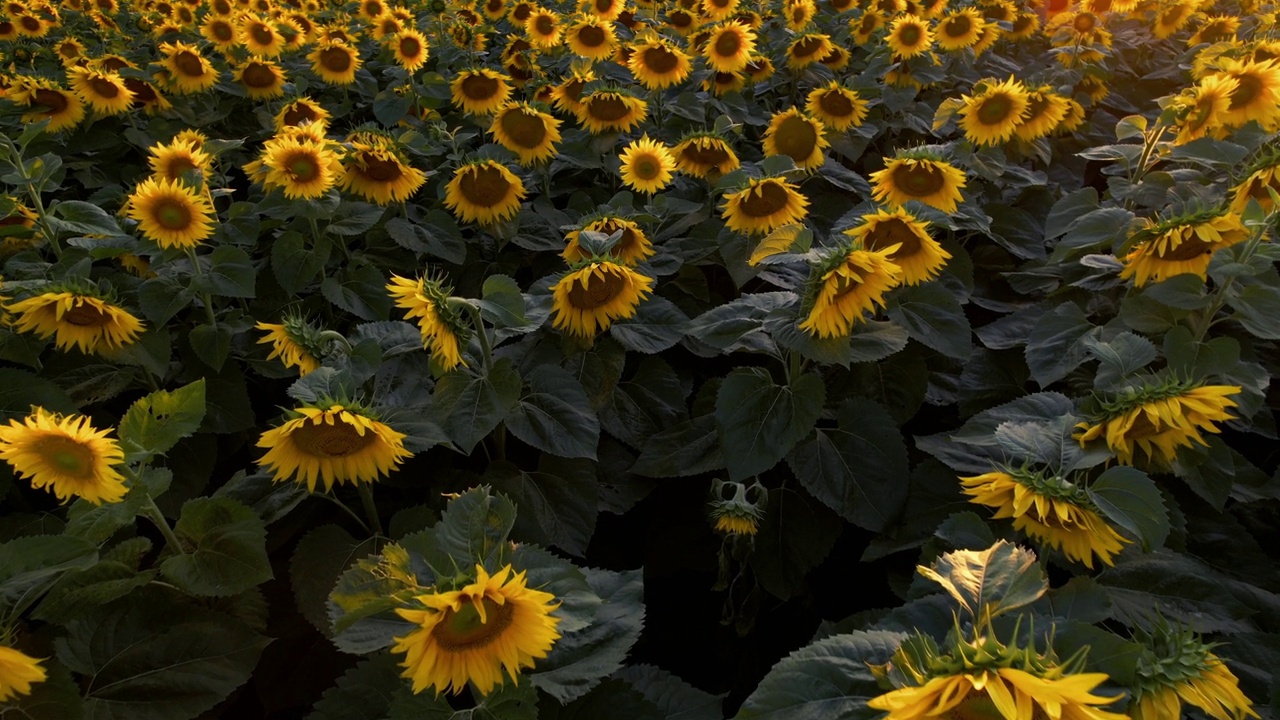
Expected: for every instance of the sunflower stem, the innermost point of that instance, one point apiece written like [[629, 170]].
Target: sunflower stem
[[482, 333], [352, 513], [15, 157], [370, 510], [152, 511], [204, 295]]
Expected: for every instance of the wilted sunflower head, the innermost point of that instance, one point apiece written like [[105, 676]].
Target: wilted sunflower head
[[737, 508]]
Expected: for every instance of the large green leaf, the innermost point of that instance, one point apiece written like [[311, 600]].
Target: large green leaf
[[556, 504], [759, 421], [156, 422], [230, 274], [229, 553], [555, 415], [321, 556], [471, 407], [21, 390], [57, 697], [28, 565], [1177, 587], [1058, 343], [365, 691], [932, 315], [675, 698], [989, 582], [613, 699], [688, 448], [657, 325], [796, 533], [1129, 498], [648, 402]]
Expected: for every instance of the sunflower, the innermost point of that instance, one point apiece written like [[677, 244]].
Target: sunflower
[[1024, 26], [798, 13], [1254, 187], [342, 443], [930, 180], [682, 21], [960, 29], [386, 26], [851, 283], [590, 298], [1046, 110], [592, 38], [808, 49], [480, 92], [76, 320], [484, 192], [1257, 95], [288, 342], [729, 47], [992, 114], [718, 10], [1159, 420], [632, 248], [219, 31], [1219, 28], [1181, 245], [335, 62], [998, 692], [762, 206], [798, 136], [1172, 17], [260, 37], [441, 326], [61, 108], [543, 30], [375, 171], [647, 165], [656, 63], [705, 155], [189, 71], [483, 633], [865, 26], [604, 9], [567, 95], [838, 107], [170, 213], [909, 36], [1053, 510], [603, 111], [262, 79], [304, 167], [919, 256], [1177, 666], [724, 83], [301, 111], [105, 92], [526, 131], [18, 671], [66, 455], [494, 9]]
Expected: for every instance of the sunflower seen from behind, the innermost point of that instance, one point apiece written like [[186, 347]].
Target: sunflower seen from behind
[[919, 176], [170, 213], [594, 293], [846, 285], [75, 318], [916, 253], [1177, 667], [1146, 424], [294, 341], [331, 442], [484, 192], [444, 333], [66, 455]]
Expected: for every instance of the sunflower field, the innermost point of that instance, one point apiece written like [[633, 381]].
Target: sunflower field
[[639, 359]]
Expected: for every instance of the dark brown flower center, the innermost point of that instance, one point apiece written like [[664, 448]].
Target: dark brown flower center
[[410, 48], [303, 166], [172, 215], [1084, 22], [705, 153], [893, 232], [920, 180], [797, 138], [462, 630], [262, 34], [659, 60], [996, 109], [1246, 93], [222, 30], [104, 88], [523, 128], [143, 93], [521, 12], [479, 87], [958, 26], [319, 439], [765, 199], [1189, 249], [910, 35], [609, 108], [807, 47], [836, 104], [484, 186], [545, 25], [86, 315], [189, 64], [335, 60], [381, 170], [600, 291], [728, 43], [299, 114], [258, 76], [52, 99]]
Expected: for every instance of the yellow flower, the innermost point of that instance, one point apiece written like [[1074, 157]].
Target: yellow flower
[[67, 455], [592, 38], [656, 63], [374, 171], [1202, 109], [170, 213], [992, 114], [1257, 95], [1219, 28], [484, 192], [798, 13], [102, 91], [608, 110], [909, 36], [934, 182], [1053, 511], [1181, 245], [704, 155], [731, 525], [18, 671], [262, 79], [998, 692], [1208, 684], [1158, 423], [960, 29], [842, 294], [219, 31], [1172, 17], [61, 108], [718, 10], [487, 631], [173, 160], [260, 38], [866, 26], [808, 49], [918, 255], [797, 136], [1046, 110], [480, 92], [647, 165], [302, 166], [301, 111], [335, 62], [631, 249], [526, 131], [589, 299], [838, 107], [729, 47], [76, 320], [543, 29], [288, 348], [427, 300], [188, 70], [335, 444], [410, 49], [1255, 187], [567, 96], [763, 206]]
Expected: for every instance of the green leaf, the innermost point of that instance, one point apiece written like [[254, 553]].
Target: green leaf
[[1047, 442], [555, 415], [1120, 357], [556, 505], [390, 107], [360, 290], [211, 343], [1179, 588], [229, 552], [1103, 227], [645, 404], [974, 447], [656, 326], [473, 529], [859, 468], [230, 274], [156, 422], [473, 406], [81, 591], [1129, 498], [359, 218], [736, 325], [1107, 652], [1185, 291], [1257, 307], [759, 422], [990, 582], [688, 448], [965, 531], [783, 325], [365, 692], [320, 557], [271, 500], [55, 698], [294, 264], [932, 315], [82, 218], [1081, 599], [438, 236], [363, 602], [20, 390], [1058, 343], [152, 659], [830, 679], [35, 561], [97, 523], [1067, 209], [163, 297], [676, 699], [795, 535]]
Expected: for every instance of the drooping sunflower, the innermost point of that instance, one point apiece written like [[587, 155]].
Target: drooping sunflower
[[1257, 95], [604, 111], [1180, 245], [1254, 187], [170, 213], [484, 192], [49, 102], [1157, 420], [705, 155], [304, 167], [526, 131], [1046, 110], [604, 9], [959, 29], [998, 692], [261, 79], [657, 63], [992, 114], [335, 62], [851, 282], [918, 255], [836, 60], [1202, 108], [342, 443], [808, 49], [18, 672], [729, 47], [374, 170], [798, 136], [588, 299], [301, 111], [189, 71], [1024, 26], [76, 319], [764, 205], [918, 176], [592, 38], [838, 107], [66, 455], [1218, 28], [1176, 666], [483, 633], [442, 327], [632, 248], [480, 91], [105, 92], [290, 341], [909, 36], [647, 165], [1051, 509]]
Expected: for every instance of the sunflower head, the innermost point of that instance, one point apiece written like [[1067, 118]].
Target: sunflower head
[[737, 508], [297, 342], [1177, 666], [332, 441], [1157, 417], [705, 155], [76, 315], [608, 237], [375, 168], [610, 110], [595, 293], [1181, 244], [846, 283], [484, 192], [528, 131], [918, 175], [444, 329], [66, 455], [798, 136], [994, 112], [838, 107], [647, 165], [18, 672], [919, 256]]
